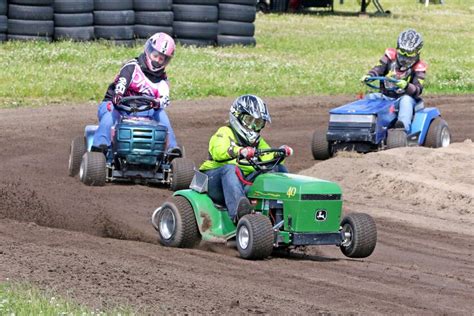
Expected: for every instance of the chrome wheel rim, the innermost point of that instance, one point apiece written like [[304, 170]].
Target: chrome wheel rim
[[167, 223], [244, 237], [445, 137], [347, 231]]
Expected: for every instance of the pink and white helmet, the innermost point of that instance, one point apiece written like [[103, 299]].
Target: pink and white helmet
[[159, 50]]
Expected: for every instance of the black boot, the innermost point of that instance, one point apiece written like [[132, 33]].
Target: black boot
[[243, 208], [399, 124], [100, 149]]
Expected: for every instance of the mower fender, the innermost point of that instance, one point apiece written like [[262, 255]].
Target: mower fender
[[421, 122], [214, 224], [89, 133]]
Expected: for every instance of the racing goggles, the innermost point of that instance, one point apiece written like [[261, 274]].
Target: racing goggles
[[255, 124], [157, 58], [406, 54]]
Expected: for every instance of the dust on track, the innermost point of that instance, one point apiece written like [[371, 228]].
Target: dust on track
[[52, 227]]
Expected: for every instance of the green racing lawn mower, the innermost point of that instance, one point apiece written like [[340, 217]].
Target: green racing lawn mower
[[290, 211]]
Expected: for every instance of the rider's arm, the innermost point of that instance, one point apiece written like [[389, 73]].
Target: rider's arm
[[415, 86], [382, 68], [124, 78], [221, 146]]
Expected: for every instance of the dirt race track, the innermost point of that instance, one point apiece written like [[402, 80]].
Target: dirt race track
[[97, 245]]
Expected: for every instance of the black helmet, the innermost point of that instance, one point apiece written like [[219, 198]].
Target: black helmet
[[409, 45], [248, 115]]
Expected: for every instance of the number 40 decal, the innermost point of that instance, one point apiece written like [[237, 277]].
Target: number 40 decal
[[291, 192]]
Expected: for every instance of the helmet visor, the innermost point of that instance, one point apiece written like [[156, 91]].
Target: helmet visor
[[158, 59], [255, 124], [406, 59]]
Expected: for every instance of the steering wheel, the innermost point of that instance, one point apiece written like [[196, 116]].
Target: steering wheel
[[369, 83], [137, 103], [263, 166]]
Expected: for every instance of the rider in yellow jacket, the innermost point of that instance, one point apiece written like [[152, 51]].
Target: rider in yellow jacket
[[241, 138]]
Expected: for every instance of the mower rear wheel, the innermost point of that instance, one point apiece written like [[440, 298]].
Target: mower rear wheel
[[93, 170], [320, 146], [254, 237], [438, 134], [396, 138], [177, 225], [360, 235], [182, 173], [77, 150]]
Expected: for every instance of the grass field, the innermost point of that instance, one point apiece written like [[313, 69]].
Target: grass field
[[296, 54]]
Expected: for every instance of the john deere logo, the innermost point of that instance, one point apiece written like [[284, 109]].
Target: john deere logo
[[320, 215]]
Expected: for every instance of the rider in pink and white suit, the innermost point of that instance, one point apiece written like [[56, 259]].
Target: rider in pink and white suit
[[144, 75]]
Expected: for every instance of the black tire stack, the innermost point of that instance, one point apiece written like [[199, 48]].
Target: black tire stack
[[153, 16], [195, 21], [73, 19], [30, 20], [236, 19], [3, 20], [114, 20]]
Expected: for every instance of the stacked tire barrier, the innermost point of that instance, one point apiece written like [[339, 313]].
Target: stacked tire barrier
[[191, 22], [3, 20], [236, 22], [153, 16], [74, 19], [114, 20], [30, 20], [195, 21]]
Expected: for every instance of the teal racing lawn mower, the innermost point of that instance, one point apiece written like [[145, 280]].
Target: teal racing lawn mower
[[289, 211]]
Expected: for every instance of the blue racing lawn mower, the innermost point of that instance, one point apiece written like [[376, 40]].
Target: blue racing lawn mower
[[369, 125], [138, 152]]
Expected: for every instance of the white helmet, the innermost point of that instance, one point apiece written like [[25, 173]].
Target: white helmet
[[248, 116]]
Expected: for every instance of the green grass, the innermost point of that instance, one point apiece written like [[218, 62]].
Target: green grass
[[19, 300], [310, 54]]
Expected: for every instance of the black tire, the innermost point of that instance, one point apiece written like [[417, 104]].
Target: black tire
[[117, 32], [153, 5], [230, 40], [363, 235], [320, 147], [177, 226], [145, 31], [114, 17], [14, 37], [438, 134], [93, 170], [237, 12], [195, 30], [32, 2], [257, 230], [199, 2], [113, 5], [28, 27], [396, 138], [164, 18], [79, 33], [73, 6], [3, 7], [3, 37], [182, 173], [244, 2], [195, 13], [26, 12], [3, 23], [235, 28], [77, 150], [73, 20], [195, 42], [263, 7]]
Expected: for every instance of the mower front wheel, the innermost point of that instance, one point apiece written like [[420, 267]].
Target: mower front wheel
[[320, 146], [177, 226], [396, 138], [77, 150], [254, 237], [182, 173], [360, 235], [93, 170]]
